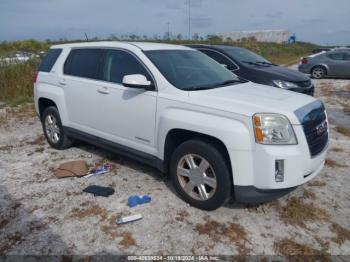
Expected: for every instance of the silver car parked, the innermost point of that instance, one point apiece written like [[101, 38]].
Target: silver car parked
[[334, 63]]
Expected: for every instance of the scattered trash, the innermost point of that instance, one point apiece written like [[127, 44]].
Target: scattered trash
[[128, 219], [138, 200], [99, 190], [99, 169], [76, 168]]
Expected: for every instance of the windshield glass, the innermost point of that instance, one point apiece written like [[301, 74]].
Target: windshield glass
[[190, 69], [246, 56]]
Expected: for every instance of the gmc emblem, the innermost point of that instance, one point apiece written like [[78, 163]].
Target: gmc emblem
[[321, 127]]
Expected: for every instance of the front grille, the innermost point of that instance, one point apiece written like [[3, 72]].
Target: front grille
[[314, 122], [304, 84]]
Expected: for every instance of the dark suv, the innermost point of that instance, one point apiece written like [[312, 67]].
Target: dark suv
[[255, 68]]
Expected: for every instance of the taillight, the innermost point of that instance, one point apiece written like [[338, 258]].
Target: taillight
[[303, 61], [35, 76]]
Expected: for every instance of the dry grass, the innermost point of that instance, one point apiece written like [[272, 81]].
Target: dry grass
[[317, 183], [110, 229], [91, 211], [337, 149], [39, 141], [20, 113], [343, 130], [181, 215], [299, 252], [127, 240], [233, 232], [308, 194], [297, 212], [16, 84], [332, 163], [342, 234], [3, 222], [11, 240]]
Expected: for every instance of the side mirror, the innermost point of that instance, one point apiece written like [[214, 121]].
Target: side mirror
[[137, 81]]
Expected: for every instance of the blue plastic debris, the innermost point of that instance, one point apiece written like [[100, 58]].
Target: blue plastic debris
[[98, 170], [138, 200]]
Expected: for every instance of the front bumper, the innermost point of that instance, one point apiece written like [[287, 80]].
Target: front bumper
[[256, 168], [304, 68], [307, 91], [253, 195]]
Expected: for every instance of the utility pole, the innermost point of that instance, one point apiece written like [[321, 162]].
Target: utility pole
[[168, 31], [189, 20]]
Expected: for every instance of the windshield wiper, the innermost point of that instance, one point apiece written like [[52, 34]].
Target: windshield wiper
[[258, 63], [225, 83], [249, 62], [228, 82], [265, 63]]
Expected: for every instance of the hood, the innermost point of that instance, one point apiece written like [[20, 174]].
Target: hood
[[281, 73], [250, 98]]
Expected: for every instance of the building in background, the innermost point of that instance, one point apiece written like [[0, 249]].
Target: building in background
[[276, 36]]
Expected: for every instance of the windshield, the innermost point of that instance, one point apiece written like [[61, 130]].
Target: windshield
[[247, 57], [190, 69]]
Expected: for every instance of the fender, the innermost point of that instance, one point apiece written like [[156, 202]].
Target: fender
[[56, 94], [328, 71], [234, 133]]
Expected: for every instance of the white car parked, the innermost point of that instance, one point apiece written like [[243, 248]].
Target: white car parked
[[175, 108]]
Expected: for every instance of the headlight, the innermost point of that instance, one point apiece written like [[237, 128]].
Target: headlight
[[273, 129], [285, 84]]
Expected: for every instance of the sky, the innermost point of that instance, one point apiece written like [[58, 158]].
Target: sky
[[318, 21]]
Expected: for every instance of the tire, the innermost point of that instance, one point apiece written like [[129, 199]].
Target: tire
[[53, 130], [199, 179], [318, 72]]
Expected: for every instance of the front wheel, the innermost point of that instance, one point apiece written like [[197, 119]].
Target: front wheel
[[200, 175]]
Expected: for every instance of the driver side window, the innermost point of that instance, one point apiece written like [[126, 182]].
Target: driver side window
[[118, 63]]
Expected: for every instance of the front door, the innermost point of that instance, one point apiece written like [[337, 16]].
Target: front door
[[126, 115]]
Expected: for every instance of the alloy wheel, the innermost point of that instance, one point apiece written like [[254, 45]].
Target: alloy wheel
[[196, 177], [318, 72], [52, 130]]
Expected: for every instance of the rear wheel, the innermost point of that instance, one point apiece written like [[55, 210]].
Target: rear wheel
[[53, 129], [318, 72], [200, 175]]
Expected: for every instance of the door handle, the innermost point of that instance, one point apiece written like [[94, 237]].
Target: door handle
[[103, 90]]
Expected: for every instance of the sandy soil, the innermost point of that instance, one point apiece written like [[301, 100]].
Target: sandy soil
[[40, 214]]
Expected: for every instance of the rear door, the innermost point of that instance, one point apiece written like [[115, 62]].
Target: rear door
[[81, 83], [337, 63]]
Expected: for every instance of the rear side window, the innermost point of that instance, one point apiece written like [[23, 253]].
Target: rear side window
[[336, 56], [84, 63], [49, 60]]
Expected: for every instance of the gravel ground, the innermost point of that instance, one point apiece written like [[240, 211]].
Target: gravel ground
[[40, 214]]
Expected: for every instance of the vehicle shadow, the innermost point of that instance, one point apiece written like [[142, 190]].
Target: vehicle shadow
[[146, 169], [22, 233]]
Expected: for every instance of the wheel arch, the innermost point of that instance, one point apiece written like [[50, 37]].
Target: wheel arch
[[325, 67], [177, 136], [44, 103]]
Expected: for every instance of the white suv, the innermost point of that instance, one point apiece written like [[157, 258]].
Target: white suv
[[175, 108]]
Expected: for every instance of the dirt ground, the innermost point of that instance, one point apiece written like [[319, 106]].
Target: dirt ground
[[40, 214]]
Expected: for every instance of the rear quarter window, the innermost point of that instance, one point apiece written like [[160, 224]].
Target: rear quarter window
[[49, 60], [84, 63]]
